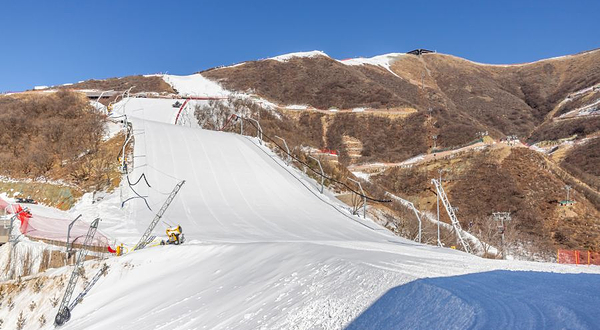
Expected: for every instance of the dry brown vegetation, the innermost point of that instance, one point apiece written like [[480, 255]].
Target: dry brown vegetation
[[465, 97], [56, 136], [383, 138], [387, 138], [565, 128], [39, 132], [516, 181], [320, 81], [584, 162], [139, 84]]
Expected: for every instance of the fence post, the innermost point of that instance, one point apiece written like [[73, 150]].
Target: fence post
[[289, 157], [69, 250], [576, 257], [588, 257], [364, 197], [322, 173], [258, 130]]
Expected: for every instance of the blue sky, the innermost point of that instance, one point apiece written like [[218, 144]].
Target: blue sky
[[55, 42]]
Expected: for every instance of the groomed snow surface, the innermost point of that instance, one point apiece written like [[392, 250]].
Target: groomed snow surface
[[265, 250]]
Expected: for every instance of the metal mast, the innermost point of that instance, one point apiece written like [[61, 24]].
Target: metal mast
[[144, 240], [455, 224], [88, 287], [64, 313]]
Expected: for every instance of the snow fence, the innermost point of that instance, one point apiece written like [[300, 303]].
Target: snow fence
[[52, 230], [578, 257]]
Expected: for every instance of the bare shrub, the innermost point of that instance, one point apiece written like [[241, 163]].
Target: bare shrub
[[38, 285], [10, 304], [42, 320], [43, 131], [54, 301], [21, 321]]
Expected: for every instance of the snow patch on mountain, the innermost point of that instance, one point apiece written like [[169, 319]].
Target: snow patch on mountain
[[384, 61], [296, 107], [287, 57]]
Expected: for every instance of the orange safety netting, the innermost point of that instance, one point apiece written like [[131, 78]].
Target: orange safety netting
[[578, 257]]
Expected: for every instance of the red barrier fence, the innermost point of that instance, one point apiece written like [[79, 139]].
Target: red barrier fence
[[578, 257], [327, 151]]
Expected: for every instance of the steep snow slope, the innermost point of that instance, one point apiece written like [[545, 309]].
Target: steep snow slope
[[235, 190], [266, 251]]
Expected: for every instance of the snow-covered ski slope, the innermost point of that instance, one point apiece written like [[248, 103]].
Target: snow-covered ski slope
[[235, 190], [266, 251]]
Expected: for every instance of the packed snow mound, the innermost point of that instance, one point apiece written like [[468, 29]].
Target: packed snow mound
[[287, 57], [195, 85]]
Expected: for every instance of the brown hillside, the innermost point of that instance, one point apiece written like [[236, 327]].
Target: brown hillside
[[512, 99], [320, 82], [383, 138], [504, 179], [554, 130], [139, 84], [57, 136], [583, 161], [464, 97]]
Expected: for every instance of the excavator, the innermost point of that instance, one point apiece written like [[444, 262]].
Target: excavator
[[174, 236]]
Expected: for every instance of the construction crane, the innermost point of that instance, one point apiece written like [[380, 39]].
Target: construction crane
[[455, 224], [146, 238]]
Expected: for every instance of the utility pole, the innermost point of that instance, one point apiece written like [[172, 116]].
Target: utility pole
[[439, 242]]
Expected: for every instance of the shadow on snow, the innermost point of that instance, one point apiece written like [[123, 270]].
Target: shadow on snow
[[491, 300]]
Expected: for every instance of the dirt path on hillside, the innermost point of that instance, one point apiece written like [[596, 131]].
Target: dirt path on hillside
[[376, 167]]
